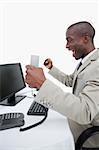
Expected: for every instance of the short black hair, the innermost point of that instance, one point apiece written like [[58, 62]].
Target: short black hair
[[85, 28]]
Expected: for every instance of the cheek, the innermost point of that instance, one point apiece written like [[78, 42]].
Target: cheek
[[74, 44], [78, 47], [80, 50]]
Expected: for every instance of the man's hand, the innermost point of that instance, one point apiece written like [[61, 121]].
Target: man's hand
[[34, 76], [48, 63]]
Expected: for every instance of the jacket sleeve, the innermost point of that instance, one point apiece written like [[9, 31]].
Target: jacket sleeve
[[82, 108], [62, 77]]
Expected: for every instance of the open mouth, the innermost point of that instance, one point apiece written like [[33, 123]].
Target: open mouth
[[73, 52]]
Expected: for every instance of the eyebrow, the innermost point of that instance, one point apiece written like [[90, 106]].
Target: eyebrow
[[67, 38]]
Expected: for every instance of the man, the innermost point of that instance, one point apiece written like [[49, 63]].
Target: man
[[82, 106]]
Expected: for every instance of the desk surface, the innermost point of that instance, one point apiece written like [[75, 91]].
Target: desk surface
[[53, 134]]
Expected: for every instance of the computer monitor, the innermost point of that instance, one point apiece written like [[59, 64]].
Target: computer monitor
[[11, 81]]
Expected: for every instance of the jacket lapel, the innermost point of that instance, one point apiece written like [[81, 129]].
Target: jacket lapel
[[84, 65]]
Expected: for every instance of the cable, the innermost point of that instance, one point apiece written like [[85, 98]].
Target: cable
[[36, 124]]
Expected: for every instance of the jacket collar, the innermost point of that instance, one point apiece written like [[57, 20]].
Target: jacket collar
[[93, 57]]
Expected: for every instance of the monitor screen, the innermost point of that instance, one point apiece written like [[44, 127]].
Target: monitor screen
[[11, 81]]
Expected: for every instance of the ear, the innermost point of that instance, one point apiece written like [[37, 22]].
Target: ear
[[86, 38]]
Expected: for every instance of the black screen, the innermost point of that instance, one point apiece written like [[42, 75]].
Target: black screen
[[11, 81]]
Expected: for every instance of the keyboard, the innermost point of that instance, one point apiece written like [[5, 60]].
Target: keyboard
[[11, 120], [37, 109]]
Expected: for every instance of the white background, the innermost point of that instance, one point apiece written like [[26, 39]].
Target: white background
[[38, 27]]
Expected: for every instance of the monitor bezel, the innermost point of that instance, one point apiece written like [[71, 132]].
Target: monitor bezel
[[14, 92]]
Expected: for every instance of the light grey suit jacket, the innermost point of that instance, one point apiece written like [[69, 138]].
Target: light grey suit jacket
[[82, 106]]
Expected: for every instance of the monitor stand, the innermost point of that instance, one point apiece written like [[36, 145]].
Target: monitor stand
[[13, 100]]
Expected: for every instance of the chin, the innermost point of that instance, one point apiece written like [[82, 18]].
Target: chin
[[77, 58]]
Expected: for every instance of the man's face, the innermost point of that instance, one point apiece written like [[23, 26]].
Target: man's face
[[75, 43]]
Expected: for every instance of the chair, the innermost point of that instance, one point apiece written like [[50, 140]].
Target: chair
[[84, 136]]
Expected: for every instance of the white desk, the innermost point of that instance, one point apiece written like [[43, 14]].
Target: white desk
[[53, 134]]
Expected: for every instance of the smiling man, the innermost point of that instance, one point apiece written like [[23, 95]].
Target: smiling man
[[82, 106], [79, 38]]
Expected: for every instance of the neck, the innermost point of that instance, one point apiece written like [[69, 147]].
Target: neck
[[91, 47], [88, 51]]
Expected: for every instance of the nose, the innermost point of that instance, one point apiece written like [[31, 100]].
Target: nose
[[67, 45]]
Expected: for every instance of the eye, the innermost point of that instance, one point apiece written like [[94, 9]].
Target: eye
[[69, 40]]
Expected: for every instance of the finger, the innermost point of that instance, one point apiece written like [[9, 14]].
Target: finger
[[27, 72], [26, 79], [46, 62], [29, 67], [46, 59]]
